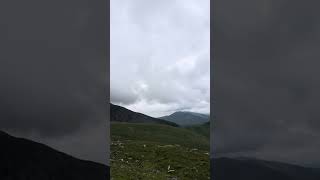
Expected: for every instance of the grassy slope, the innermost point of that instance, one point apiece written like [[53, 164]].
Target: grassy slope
[[203, 129], [145, 151]]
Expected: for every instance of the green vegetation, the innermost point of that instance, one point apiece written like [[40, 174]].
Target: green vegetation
[[160, 152], [203, 129]]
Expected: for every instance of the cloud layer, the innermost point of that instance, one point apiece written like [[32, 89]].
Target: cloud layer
[[53, 69], [267, 80], [160, 55]]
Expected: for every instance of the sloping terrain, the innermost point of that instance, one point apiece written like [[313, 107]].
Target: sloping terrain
[[22, 159], [121, 114], [252, 169], [203, 129], [158, 152], [163, 134], [187, 118]]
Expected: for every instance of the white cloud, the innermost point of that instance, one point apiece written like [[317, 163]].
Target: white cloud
[[160, 55]]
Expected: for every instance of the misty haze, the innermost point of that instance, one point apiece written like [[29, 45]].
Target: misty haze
[[266, 90], [53, 122]]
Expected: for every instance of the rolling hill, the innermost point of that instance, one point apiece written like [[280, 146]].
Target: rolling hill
[[253, 169], [162, 134], [203, 129], [144, 147], [158, 151], [121, 114], [22, 159], [184, 118]]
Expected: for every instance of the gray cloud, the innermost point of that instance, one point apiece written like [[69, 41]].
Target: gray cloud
[[267, 80], [53, 68], [160, 55]]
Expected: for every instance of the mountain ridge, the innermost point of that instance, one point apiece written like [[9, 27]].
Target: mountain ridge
[[186, 118], [23, 159], [122, 114], [252, 169]]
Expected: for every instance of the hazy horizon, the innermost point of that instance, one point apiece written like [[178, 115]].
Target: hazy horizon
[[162, 115]]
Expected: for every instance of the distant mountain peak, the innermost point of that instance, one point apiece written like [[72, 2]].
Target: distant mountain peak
[[186, 118]]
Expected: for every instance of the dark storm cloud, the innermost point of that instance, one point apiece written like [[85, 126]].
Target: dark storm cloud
[[53, 66], [267, 80]]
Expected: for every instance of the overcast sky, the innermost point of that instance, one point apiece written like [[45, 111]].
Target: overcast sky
[[267, 80], [53, 74], [160, 55]]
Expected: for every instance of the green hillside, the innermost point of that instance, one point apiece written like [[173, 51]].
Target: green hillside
[[162, 134], [203, 129], [155, 151]]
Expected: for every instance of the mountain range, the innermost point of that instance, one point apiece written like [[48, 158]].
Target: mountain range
[[221, 168], [121, 114], [22, 159], [185, 118], [253, 169]]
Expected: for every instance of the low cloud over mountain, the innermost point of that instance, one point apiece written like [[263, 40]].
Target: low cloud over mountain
[[53, 73]]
